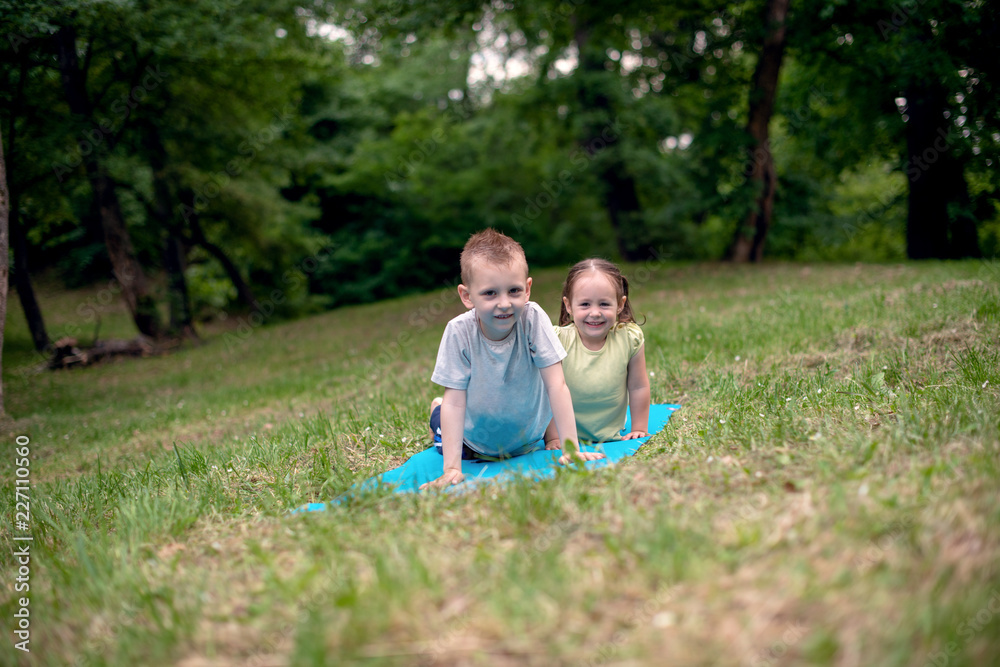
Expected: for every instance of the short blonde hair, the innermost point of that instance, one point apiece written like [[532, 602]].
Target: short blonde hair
[[493, 248]]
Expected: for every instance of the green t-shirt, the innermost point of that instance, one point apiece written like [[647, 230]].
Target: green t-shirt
[[598, 380]]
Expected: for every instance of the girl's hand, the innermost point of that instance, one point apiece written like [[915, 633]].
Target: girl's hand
[[552, 436], [634, 434], [579, 456]]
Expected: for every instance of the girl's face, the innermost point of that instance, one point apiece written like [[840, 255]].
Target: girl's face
[[594, 305]]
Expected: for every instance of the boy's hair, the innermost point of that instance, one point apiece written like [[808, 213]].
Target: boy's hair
[[492, 247], [617, 279]]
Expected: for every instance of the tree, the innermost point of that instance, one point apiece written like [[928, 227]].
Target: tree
[[596, 92], [585, 93], [126, 266], [748, 243], [18, 238], [667, 78], [219, 139], [30, 136], [4, 261], [920, 79], [164, 104]]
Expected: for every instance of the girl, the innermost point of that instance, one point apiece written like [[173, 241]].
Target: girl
[[605, 366]]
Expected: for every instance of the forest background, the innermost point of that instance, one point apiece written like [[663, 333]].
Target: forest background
[[206, 157]]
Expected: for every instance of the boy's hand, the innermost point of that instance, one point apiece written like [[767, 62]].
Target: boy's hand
[[634, 434], [450, 477]]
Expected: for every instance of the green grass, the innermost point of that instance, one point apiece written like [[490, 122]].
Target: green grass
[[826, 496]]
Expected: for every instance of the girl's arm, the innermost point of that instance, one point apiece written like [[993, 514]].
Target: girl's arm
[[562, 414], [552, 436], [638, 395]]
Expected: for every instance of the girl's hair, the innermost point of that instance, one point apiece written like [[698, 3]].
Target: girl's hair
[[617, 279]]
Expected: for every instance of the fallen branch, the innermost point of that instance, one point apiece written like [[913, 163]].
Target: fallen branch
[[67, 354]]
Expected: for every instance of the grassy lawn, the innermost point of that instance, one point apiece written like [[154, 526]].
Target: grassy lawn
[[829, 494]]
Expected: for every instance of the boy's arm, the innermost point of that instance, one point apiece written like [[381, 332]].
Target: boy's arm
[[452, 436], [562, 413], [638, 395]]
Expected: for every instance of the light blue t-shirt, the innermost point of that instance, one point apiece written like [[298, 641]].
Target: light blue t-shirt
[[506, 406]]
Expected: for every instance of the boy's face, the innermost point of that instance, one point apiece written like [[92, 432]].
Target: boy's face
[[498, 293]]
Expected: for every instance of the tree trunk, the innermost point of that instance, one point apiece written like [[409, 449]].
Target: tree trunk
[[181, 323], [22, 280], [962, 219], [198, 236], [126, 267], [174, 251], [621, 199], [939, 222], [748, 243], [18, 239], [4, 260]]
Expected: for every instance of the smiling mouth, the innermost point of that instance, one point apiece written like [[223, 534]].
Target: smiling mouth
[[505, 317], [594, 324]]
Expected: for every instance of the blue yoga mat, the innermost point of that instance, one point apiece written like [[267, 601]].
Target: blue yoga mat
[[426, 466]]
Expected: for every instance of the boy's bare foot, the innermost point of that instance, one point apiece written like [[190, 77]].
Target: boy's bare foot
[[436, 402]]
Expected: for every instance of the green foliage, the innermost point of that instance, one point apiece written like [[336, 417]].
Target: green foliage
[[208, 286], [367, 140]]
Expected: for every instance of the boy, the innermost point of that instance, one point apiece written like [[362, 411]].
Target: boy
[[500, 364]]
